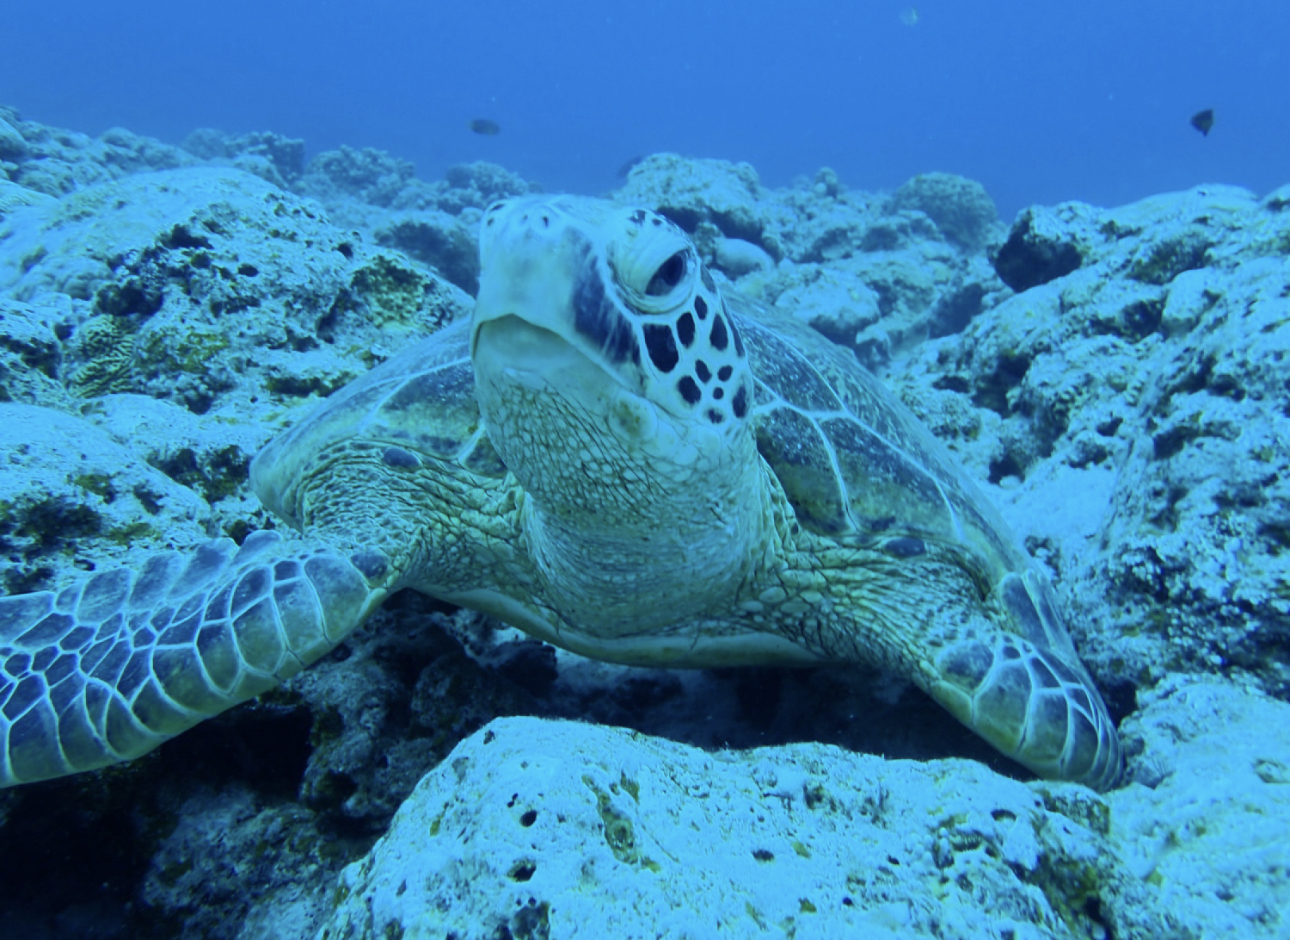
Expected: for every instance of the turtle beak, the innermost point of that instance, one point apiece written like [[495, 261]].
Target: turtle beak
[[538, 288], [529, 278], [511, 349]]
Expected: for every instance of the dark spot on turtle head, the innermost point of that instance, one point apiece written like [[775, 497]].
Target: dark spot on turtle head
[[372, 565], [401, 459], [685, 330], [702, 371], [715, 415], [661, 346], [725, 372], [718, 337], [689, 390], [700, 307], [718, 392], [597, 318], [638, 217], [740, 402]]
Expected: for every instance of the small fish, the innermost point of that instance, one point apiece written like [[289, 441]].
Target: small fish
[[485, 126], [1203, 121], [629, 166], [909, 16]]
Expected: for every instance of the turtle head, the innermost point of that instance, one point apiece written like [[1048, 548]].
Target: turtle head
[[616, 388], [602, 349]]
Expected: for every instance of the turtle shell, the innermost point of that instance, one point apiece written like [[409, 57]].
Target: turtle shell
[[421, 401], [856, 464]]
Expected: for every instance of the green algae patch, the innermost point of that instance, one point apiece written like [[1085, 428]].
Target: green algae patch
[[620, 835], [100, 484], [394, 293]]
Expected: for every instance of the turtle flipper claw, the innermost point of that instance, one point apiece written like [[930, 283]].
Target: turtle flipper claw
[[109, 668]]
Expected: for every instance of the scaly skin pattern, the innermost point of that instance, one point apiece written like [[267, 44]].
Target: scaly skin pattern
[[758, 476], [926, 616], [613, 456], [105, 670]]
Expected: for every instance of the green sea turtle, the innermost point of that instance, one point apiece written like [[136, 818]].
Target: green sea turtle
[[612, 455]]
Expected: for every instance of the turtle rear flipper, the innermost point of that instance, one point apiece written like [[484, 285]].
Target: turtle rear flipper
[[109, 668]]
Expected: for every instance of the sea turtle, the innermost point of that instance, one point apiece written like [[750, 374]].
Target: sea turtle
[[614, 455]]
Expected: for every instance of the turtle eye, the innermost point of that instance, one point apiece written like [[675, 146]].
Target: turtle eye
[[668, 275]]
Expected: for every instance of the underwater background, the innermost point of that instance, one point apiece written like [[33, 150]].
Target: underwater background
[[1041, 102], [210, 221]]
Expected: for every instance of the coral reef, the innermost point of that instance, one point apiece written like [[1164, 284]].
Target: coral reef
[[536, 828], [1113, 378]]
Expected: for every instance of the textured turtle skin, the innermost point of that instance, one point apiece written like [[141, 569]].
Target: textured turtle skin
[[610, 428]]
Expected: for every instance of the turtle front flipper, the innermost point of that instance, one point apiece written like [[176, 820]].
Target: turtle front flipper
[[1031, 705], [1023, 689], [111, 667], [988, 646]]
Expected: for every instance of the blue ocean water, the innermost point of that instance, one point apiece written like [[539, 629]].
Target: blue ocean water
[[1041, 102]]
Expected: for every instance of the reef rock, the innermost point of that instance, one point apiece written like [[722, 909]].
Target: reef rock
[[545, 829]]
